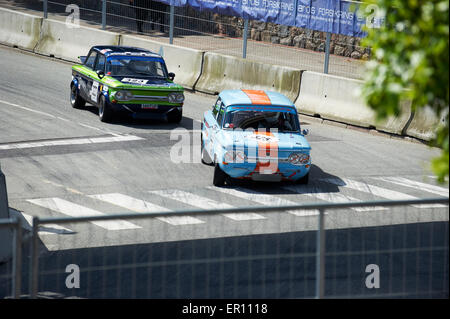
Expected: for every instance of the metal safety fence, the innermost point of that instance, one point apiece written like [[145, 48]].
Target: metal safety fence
[[378, 249], [203, 30]]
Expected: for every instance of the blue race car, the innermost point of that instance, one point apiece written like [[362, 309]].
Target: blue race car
[[252, 134]]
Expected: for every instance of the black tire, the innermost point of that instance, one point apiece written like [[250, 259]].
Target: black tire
[[175, 116], [104, 111], [304, 180], [219, 176], [206, 159], [76, 100]]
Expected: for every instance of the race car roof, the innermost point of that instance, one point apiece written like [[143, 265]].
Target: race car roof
[[109, 50], [254, 97]]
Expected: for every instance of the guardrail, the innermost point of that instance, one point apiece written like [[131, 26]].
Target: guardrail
[[381, 247]]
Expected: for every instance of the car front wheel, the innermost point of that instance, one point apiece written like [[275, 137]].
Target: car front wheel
[[76, 100], [219, 176], [175, 116], [304, 180], [105, 112]]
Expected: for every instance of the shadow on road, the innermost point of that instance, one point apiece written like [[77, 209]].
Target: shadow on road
[[412, 259]]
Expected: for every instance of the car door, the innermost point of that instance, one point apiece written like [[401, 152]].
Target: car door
[[210, 123], [216, 127], [86, 80], [99, 65]]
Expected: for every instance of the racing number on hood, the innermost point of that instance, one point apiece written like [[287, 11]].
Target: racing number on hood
[[267, 153]]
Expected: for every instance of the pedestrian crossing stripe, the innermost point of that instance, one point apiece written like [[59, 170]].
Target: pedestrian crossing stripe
[[190, 199]]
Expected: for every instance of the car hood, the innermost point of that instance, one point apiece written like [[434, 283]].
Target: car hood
[[145, 81], [282, 141]]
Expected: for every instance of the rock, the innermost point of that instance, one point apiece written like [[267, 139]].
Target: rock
[[284, 31], [266, 36], [310, 45], [355, 55], [286, 41], [300, 41], [365, 57], [321, 47], [339, 50]]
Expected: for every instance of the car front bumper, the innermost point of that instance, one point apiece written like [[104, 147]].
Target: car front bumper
[[275, 172]]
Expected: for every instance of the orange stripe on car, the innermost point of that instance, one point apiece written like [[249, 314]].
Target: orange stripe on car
[[267, 150], [258, 97]]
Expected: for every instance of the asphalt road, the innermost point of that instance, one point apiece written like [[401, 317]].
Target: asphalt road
[[60, 161]]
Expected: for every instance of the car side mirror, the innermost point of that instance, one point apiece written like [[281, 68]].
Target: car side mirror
[[100, 74], [171, 76], [305, 131]]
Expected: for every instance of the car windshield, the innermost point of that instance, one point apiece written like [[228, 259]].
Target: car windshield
[[244, 119], [135, 66]]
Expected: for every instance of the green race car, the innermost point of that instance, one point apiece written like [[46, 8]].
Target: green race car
[[126, 80]]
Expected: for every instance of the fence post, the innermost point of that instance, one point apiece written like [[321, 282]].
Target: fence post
[[34, 259], [327, 53], [244, 49], [17, 261], [172, 22], [104, 15], [45, 9], [320, 256]]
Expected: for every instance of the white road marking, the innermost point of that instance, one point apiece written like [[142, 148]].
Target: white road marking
[[75, 210], [47, 229], [204, 203], [416, 185], [74, 141], [263, 199], [377, 191], [316, 192], [28, 109], [141, 206]]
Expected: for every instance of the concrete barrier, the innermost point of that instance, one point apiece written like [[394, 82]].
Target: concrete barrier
[[6, 234], [424, 124], [59, 40], [19, 29], [184, 62], [336, 98], [222, 72]]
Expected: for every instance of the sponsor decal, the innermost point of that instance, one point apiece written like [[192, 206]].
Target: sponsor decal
[[135, 81]]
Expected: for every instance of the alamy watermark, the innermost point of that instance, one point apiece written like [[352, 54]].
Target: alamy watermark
[[73, 19]]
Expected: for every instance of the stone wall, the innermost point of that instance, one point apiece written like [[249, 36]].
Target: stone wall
[[292, 36]]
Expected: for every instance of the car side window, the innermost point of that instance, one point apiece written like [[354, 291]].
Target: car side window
[[216, 107], [100, 65], [91, 59], [220, 115]]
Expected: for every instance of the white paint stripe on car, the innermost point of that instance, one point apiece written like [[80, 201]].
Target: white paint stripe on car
[[204, 203], [74, 210], [141, 206]]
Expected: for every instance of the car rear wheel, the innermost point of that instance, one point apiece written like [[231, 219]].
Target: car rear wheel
[[104, 111], [304, 180], [76, 100], [219, 176]]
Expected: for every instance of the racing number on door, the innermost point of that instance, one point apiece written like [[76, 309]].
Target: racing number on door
[[94, 92]]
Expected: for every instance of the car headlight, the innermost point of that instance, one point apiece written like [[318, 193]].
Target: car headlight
[[176, 97], [298, 158], [235, 157], [123, 95]]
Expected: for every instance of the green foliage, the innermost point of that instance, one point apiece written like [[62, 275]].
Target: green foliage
[[411, 62]]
